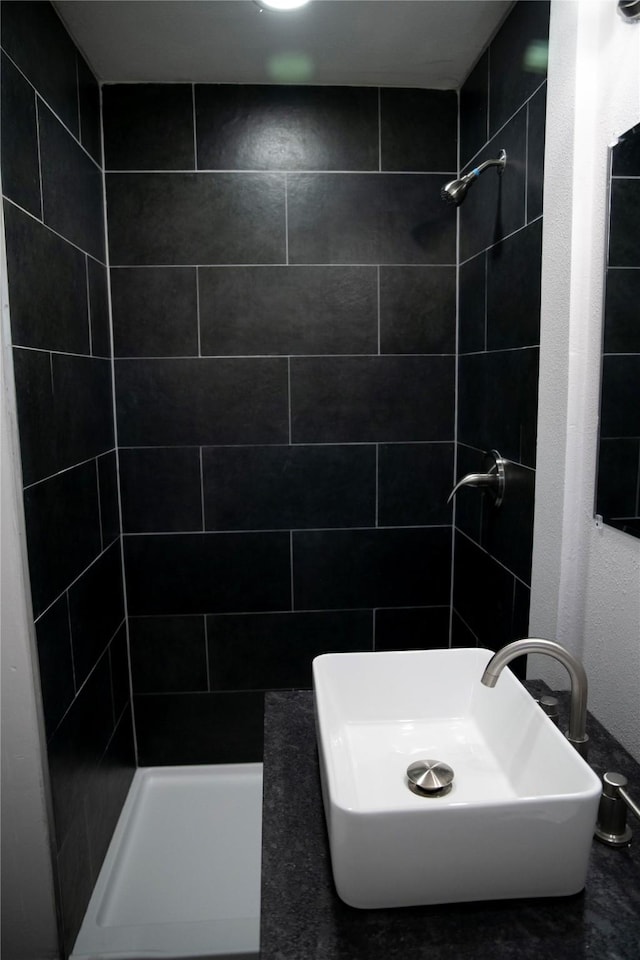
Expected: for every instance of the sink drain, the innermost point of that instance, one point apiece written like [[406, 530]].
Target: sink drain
[[430, 778]]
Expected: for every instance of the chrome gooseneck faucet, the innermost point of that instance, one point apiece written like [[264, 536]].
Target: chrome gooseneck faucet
[[577, 734]]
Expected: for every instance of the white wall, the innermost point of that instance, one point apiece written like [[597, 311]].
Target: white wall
[[585, 581], [29, 928]]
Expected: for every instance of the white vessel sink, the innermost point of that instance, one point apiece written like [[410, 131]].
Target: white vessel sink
[[519, 818]]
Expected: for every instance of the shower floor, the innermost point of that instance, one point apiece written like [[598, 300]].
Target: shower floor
[[181, 877]]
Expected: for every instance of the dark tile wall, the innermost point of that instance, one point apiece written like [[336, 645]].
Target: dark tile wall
[[618, 488], [502, 106], [283, 275], [54, 227]]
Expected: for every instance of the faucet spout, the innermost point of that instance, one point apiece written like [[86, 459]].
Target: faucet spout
[[577, 734]]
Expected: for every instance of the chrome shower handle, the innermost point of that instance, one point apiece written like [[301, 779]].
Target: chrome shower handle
[[493, 481]]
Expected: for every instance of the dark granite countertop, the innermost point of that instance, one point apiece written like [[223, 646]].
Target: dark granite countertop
[[303, 918]]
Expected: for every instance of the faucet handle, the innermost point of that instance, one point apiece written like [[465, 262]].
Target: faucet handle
[[612, 827], [493, 480]]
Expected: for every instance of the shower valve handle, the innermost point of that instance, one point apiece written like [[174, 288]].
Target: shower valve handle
[[493, 481]]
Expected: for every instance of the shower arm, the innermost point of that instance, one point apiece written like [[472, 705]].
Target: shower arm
[[500, 162]]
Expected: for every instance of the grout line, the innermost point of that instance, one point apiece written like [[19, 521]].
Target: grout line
[[78, 101], [289, 613], [35, 93], [293, 606], [488, 129], [280, 171], [378, 295], [526, 166], [63, 353], [492, 137], [478, 353], [497, 243], [275, 263], [379, 130], [252, 446], [240, 531], [54, 232], [286, 218], [86, 268], [373, 627], [197, 312], [270, 356], [289, 399], [99, 507], [206, 652], [492, 557], [195, 136], [202, 490], [486, 301], [74, 466], [377, 516], [73, 662]]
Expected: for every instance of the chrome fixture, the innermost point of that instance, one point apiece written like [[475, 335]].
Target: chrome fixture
[[456, 190], [577, 734], [492, 481], [550, 707], [430, 778], [612, 827], [629, 10]]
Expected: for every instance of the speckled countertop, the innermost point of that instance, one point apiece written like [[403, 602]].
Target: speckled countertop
[[303, 918]]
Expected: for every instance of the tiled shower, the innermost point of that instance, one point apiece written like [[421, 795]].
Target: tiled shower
[[282, 366]]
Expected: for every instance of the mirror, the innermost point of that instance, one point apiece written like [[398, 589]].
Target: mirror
[[618, 481]]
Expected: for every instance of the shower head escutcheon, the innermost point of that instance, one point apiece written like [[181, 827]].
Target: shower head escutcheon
[[456, 190]]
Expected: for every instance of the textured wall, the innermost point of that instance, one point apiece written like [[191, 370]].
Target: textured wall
[[283, 280], [502, 106]]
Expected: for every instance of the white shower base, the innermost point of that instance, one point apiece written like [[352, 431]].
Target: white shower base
[[181, 877]]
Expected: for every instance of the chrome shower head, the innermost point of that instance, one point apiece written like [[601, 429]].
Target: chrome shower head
[[456, 190]]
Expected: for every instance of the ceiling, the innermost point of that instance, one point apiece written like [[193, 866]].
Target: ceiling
[[404, 43]]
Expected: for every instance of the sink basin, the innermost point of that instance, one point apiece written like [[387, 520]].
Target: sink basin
[[519, 818]]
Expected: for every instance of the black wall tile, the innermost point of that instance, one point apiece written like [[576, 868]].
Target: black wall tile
[[75, 880], [417, 309], [483, 594], [368, 399], [99, 309], [335, 569], [419, 129], [72, 198], [35, 39], [461, 635], [618, 478], [626, 156], [56, 663], [20, 168], [76, 748], [472, 305], [274, 651], [535, 153], [474, 108], [36, 415], [168, 654], [624, 246], [155, 311], [288, 310], [498, 402], [199, 728], [196, 218], [621, 327], [470, 502], [414, 481], [369, 218], [148, 126], [108, 488], [108, 790], [96, 608], [514, 269], [412, 629], [189, 402], [619, 407], [507, 530], [208, 573], [119, 664], [161, 489], [495, 206], [89, 104], [283, 127], [518, 59], [279, 487], [63, 531], [83, 407], [47, 286]]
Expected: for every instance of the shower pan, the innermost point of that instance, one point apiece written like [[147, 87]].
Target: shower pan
[[182, 874]]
